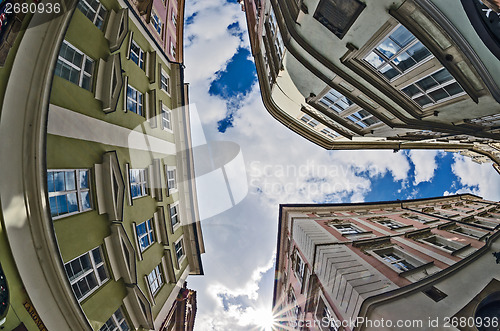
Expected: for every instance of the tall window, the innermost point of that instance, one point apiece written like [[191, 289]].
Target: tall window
[[179, 249], [155, 280], [174, 19], [155, 20], [300, 268], [171, 182], [138, 183], [397, 53], [145, 235], [137, 54], [69, 191], [396, 260], [336, 101], [172, 48], [86, 273], [94, 11], [116, 322], [166, 118], [134, 100], [174, 219], [437, 87], [74, 66], [164, 82]]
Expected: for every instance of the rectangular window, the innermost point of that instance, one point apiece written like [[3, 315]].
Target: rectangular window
[[179, 250], [116, 322], [174, 19], [445, 244], [363, 118], [86, 273], [94, 11], [171, 182], [172, 48], [69, 191], [338, 15], [392, 224], [299, 268], [155, 20], [396, 260], [164, 82], [137, 54], [134, 100], [469, 232], [309, 120], [74, 66], [138, 183], [398, 53], [145, 235], [330, 133], [437, 87], [174, 219], [336, 101], [155, 280], [347, 228], [166, 118]]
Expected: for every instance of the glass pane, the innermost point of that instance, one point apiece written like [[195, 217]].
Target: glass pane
[[50, 181], [439, 94], [144, 242], [141, 229], [72, 203], [388, 48], [85, 261], [418, 52], [91, 280], [453, 89], [423, 100], [389, 72], [426, 83], [77, 291], [375, 60], [442, 76], [96, 254], [53, 206], [84, 178], [102, 273], [86, 200], [404, 61], [124, 326], [402, 36], [62, 206], [59, 181], [411, 90], [76, 268]]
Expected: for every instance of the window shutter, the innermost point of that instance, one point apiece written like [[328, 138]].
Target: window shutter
[[160, 108], [170, 219], [150, 66], [151, 108], [129, 44], [125, 86], [129, 188]]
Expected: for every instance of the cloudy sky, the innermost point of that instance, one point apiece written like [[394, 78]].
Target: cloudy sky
[[277, 166]]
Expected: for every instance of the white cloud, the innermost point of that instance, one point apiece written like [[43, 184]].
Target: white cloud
[[425, 164], [478, 179]]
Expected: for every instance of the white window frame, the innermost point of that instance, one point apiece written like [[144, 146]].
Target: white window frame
[[471, 233], [80, 68], [345, 233], [78, 191], [180, 249], [300, 267], [149, 234], [139, 104], [309, 120], [117, 321], [388, 61], [173, 17], [361, 121], [142, 183], [178, 223], [93, 270], [156, 22], [330, 133], [165, 82], [334, 99], [140, 56], [400, 254], [171, 173], [166, 121], [96, 13], [155, 275], [439, 242], [396, 225], [172, 48]]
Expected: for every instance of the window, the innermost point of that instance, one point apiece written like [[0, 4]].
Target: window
[[396, 260], [86, 273], [155, 20], [437, 87], [145, 234], [445, 244], [363, 118], [299, 268], [309, 120], [138, 183], [171, 182], [166, 118], [469, 232], [172, 48], [69, 191], [134, 100], [137, 54], [174, 219], [326, 315], [347, 228], [164, 82], [179, 250], [116, 322], [392, 225], [74, 66], [419, 218], [397, 53], [155, 280], [330, 133], [336, 101], [338, 15], [94, 11], [174, 19]]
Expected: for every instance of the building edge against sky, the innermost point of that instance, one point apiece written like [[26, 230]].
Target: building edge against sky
[[100, 222], [405, 260], [414, 74]]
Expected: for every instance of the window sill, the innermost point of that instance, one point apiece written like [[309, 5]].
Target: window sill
[[56, 218], [417, 269]]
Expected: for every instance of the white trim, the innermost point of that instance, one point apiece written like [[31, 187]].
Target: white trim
[[178, 224], [141, 56], [78, 190], [80, 68], [183, 248], [170, 169]]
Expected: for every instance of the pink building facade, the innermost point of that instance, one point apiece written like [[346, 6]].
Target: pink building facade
[[342, 266]]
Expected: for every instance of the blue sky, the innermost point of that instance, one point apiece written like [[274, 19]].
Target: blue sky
[[279, 166]]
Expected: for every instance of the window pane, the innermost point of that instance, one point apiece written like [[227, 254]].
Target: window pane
[[419, 52], [426, 83], [423, 100], [374, 59], [96, 254], [411, 90], [453, 89], [439, 94], [84, 180], [72, 203], [404, 61], [59, 181], [402, 36], [102, 273], [389, 72], [442, 76], [62, 206], [388, 48], [85, 201]]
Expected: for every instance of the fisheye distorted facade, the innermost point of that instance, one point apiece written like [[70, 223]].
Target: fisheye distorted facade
[[350, 74], [100, 226], [413, 260]]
